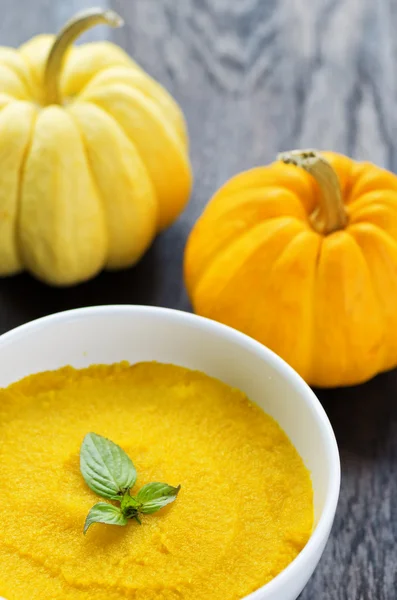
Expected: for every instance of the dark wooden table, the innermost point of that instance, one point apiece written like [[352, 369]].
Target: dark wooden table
[[255, 77]]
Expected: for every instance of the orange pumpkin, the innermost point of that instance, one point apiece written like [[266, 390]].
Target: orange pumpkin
[[302, 256]]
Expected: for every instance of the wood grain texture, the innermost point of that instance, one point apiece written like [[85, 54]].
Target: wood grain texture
[[255, 77]]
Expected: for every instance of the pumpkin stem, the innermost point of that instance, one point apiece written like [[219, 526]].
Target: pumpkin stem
[[73, 29], [331, 214]]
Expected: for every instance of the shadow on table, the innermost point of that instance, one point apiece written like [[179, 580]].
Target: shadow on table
[[156, 280], [23, 298], [362, 416]]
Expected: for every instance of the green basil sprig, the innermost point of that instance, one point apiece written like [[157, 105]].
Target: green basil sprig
[[109, 472]]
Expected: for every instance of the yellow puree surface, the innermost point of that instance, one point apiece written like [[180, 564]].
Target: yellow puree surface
[[244, 511]]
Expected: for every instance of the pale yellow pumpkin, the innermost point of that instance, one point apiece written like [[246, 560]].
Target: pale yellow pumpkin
[[305, 261], [93, 156]]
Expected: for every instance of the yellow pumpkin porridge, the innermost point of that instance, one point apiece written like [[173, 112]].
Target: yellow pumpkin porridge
[[244, 510]]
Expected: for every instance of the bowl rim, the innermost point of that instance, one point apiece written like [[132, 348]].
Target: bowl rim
[[314, 547]]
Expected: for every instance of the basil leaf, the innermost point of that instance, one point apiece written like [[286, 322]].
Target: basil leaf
[[106, 468], [154, 496], [104, 513]]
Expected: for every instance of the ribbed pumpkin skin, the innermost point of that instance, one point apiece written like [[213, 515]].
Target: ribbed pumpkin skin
[[327, 304], [87, 184]]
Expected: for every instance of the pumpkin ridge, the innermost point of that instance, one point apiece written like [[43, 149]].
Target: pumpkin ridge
[[378, 210], [94, 182], [377, 234], [23, 93], [25, 77], [368, 214], [311, 358], [33, 116], [269, 175], [364, 206], [360, 224], [169, 128], [20, 181], [167, 106], [69, 242], [382, 355], [78, 55], [374, 195], [225, 205], [220, 251], [149, 109], [141, 165], [284, 223], [91, 100], [215, 214], [338, 371], [22, 173], [368, 178], [317, 299], [274, 268], [93, 179]]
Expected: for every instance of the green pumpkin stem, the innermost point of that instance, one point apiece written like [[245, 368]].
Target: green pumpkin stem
[[69, 33], [330, 215]]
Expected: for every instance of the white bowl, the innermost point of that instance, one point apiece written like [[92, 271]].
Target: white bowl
[[136, 333]]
